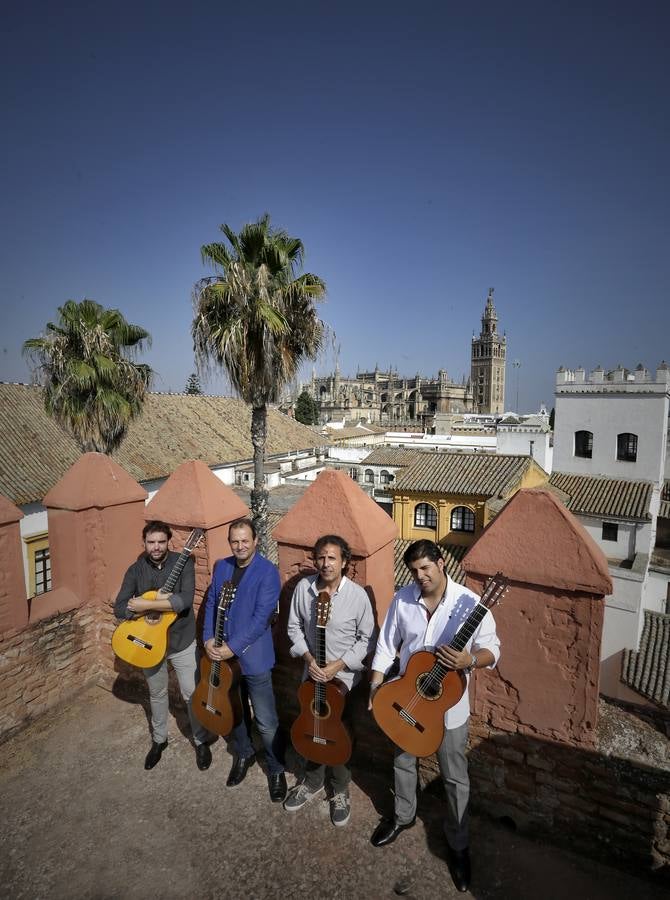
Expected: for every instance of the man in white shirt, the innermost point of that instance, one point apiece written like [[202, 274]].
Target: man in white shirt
[[426, 616]]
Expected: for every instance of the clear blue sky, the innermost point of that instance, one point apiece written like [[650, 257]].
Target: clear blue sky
[[423, 152]]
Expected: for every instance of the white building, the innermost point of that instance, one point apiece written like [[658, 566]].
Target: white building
[[610, 446]]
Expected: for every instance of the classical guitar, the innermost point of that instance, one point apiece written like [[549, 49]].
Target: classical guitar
[[216, 701], [318, 734], [410, 709], [143, 641]]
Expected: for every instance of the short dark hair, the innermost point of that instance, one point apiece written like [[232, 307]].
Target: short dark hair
[[156, 525], [338, 542], [421, 549], [242, 522]]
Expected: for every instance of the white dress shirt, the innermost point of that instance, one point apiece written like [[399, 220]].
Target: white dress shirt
[[408, 628]]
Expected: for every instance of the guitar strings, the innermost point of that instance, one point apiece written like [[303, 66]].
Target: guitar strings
[[433, 678]]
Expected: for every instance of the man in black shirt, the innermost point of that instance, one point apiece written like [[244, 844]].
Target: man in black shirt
[[150, 573]]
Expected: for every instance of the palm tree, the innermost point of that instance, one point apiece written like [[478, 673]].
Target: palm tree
[[92, 387], [256, 318]]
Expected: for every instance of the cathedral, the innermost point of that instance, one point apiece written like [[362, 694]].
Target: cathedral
[[385, 398]]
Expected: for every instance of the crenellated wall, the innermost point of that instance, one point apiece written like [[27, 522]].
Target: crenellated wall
[[538, 753]]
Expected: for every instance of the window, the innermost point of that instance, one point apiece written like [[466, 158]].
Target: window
[[584, 444], [39, 564], [610, 531], [425, 516], [384, 477], [462, 519], [353, 473], [626, 447], [369, 476]]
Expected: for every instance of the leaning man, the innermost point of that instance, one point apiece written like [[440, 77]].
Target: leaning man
[[426, 616]]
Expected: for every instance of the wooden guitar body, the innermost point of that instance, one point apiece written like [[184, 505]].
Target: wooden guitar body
[[410, 709], [216, 701], [143, 641], [318, 734]]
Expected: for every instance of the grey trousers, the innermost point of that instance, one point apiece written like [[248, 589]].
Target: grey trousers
[[454, 770], [340, 777], [184, 666]]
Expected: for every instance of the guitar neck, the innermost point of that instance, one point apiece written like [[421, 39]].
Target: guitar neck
[[320, 655], [465, 632], [177, 569]]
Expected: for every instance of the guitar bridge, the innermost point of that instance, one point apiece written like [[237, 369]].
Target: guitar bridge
[[140, 643], [211, 709], [405, 716], [318, 740]]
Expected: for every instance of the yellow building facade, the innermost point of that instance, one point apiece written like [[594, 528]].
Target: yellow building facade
[[457, 517]]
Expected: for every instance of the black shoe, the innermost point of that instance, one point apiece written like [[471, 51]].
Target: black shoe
[[387, 831], [203, 757], [240, 768], [277, 787], [154, 755], [459, 868]]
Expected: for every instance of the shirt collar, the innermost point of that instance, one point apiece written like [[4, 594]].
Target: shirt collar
[[315, 590], [448, 592]]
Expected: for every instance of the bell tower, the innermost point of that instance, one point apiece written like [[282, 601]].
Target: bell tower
[[487, 367]]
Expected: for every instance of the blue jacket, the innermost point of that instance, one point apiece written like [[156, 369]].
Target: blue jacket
[[248, 631]]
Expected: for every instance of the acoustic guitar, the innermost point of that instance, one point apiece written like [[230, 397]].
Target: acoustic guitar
[[143, 641], [318, 734], [410, 709], [216, 701]]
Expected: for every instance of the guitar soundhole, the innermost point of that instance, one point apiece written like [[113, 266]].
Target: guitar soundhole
[[152, 618], [428, 686], [320, 709]]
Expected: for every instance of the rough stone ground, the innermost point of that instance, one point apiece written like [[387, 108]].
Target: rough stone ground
[[82, 819]]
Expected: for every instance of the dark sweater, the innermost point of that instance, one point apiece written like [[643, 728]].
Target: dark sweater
[[144, 576]]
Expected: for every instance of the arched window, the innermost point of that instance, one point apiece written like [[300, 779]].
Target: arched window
[[584, 444], [384, 477], [425, 516], [369, 476], [462, 519], [626, 446]]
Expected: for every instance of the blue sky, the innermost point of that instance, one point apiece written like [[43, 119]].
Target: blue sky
[[423, 152]]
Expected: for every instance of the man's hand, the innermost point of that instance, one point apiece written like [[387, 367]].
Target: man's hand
[[374, 687], [454, 659], [327, 673], [218, 653], [139, 606]]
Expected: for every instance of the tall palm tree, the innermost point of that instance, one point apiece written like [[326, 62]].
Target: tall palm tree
[[256, 318], [85, 364]]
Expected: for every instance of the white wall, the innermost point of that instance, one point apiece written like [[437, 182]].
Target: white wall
[[517, 441], [606, 415]]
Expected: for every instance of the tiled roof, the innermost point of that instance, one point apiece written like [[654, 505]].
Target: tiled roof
[[485, 474], [596, 495], [664, 509], [389, 456], [35, 453], [647, 670], [345, 434], [452, 553]]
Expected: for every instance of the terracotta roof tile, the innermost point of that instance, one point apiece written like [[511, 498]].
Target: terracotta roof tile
[[35, 453], [484, 474], [647, 670], [597, 495], [390, 456]]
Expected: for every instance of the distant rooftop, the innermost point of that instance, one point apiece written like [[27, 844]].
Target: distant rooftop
[[597, 495], [479, 474], [172, 428]]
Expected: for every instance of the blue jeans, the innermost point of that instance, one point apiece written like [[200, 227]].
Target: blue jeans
[[258, 690]]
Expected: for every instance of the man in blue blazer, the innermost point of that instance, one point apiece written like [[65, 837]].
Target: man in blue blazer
[[248, 637]]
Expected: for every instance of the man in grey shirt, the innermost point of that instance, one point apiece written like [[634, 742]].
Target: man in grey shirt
[[348, 639]]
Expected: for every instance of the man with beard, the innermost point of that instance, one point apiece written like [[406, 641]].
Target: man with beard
[[149, 573]]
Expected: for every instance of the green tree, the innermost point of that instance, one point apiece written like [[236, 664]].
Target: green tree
[[306, 409], [193, 384], [256, 317], [85, 364]]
